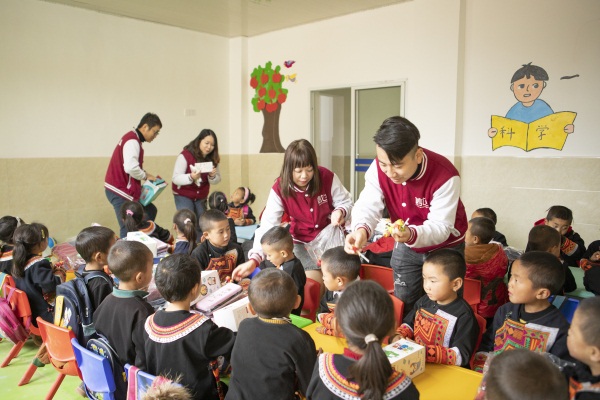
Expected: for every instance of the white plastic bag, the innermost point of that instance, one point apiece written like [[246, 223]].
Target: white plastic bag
[[331, 236]]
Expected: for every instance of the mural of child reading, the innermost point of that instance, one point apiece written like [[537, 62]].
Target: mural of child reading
[[531, 124]]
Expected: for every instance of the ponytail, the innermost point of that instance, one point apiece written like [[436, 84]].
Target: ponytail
[[248, 198], [187, 223], [26, 238], [132, 214], [372, 371]]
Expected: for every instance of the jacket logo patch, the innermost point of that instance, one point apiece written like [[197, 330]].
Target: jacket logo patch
[[421, 202], [321, 199]]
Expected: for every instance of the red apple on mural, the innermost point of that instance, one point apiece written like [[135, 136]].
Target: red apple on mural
[[281, 98], [276, 77], [253, 83], [272, 93], [260, 104], [271, 107], [264, 78], [261, 92]]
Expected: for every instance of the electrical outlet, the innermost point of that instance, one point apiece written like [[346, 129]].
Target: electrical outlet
[[189, 112]]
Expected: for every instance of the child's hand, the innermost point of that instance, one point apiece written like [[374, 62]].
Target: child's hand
[[239, 222], [396, 338], [595, 256]]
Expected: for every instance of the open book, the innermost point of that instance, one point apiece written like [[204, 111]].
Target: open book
[[547, 132]]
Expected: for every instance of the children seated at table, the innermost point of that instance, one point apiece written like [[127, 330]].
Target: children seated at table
[[572, 246], [339, 269], [218, 201], [365, 315], [185, 225], [590, 263], [8, 224], [93, 245], [522, 374], [278, 246], [528, 320], [217, 251], [545, 238], [239, 208], [489, 213], [584, 345], [177, 341], [132, 214], [123, 312], [271, 357], [486, 262]]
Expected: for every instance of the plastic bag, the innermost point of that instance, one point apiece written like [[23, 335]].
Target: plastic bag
[[331, 236]]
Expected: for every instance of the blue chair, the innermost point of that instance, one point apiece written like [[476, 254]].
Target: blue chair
[[96, 372], [566, 305], [144, 380]]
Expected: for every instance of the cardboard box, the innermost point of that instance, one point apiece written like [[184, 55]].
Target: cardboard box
[[151, 190], [209, 283], [406, 356], [143, 238], [204, 167], [220, 296], [231, 315]]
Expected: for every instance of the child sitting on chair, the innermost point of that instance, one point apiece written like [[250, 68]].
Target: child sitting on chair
[[185, 225], [572, 246], [339, 269], [8, 224], [239, 209], [271, 357], [177, 341], [132, 214], [278, 246], [486, 212], [456, 328]]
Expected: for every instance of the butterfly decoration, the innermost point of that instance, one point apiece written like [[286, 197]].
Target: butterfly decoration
[[289, 63], [291, 78]]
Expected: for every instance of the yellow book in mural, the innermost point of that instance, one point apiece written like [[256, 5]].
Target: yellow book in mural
[[547, 132]]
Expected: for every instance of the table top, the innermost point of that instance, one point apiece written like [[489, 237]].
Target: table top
[[437, 382]]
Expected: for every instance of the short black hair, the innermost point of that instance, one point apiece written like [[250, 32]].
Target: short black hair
[[527, 70], [589, 316], [272, 293], [488, 213], [218, 201], [8, 224], [128, 257], [93, 239], [209, 217], [544, 269], [279, 238], [560, 212], [340, 263], [542, 238], [516, 372], [151, 120], [483, 228], [176, 276], [397, 136], [452, 262]]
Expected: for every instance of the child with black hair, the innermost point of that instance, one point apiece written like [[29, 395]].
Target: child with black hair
[[584, 345], [546, 238], [8, 224], [177, 341], [365, 315], [218, 201], [491, 214], [93, 245], [272, 358], [528, 320], [487, 263], [278, 246], [34, 274], [590, 264], [123, 312], [442, 309], [239, 208], [185, 225], [572, 245], [132, 214], [217, 251]]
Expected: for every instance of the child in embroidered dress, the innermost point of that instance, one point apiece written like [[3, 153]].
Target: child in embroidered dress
[[339, 269], [365, 315], [572, 245], [278, 246], [8, 224], [177, 341], [443, 274], [528, 320], [239, 208], [185, 225], [217, 250], [272, 358], [33, 274], [218, 201], [132, 214]]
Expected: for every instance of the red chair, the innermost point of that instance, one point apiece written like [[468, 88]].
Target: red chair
[[482, 325], [472, 292], [20, 304], [60, 352], [382, 275], [312, 299], [5, 279], [398, 309]]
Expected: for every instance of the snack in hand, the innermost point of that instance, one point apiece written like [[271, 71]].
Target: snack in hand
[[389, 228]]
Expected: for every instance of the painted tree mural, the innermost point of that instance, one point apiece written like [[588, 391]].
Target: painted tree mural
[[269, 96]]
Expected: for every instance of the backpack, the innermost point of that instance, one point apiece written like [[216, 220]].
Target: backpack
[[77, 310], [101, 346], [10, 326]]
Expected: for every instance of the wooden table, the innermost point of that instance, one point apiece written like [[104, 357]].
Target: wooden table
[[437, 382]]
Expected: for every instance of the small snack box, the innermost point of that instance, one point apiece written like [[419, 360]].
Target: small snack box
[[218, 297], [147, 240], [406, 356], [231, 315], [209, 283]]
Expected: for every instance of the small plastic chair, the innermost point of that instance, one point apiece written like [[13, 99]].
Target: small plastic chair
[[143, 381], [482, 325], [472, 292], [96, 372], [382, 275], [312, 298], [398, 309], [566, 305], [60, 352], [20, 304], [5, 279]]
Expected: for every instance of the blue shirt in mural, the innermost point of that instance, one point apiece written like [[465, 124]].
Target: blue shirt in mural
[[537, 110]]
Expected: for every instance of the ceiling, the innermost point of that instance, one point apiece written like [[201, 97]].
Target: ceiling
[[229, 18]]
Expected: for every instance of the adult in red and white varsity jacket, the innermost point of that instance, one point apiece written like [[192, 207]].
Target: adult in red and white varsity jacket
[[414, 184], [312, 196], [125, 172]]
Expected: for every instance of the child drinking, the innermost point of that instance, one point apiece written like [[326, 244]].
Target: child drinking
[[239, 209]]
